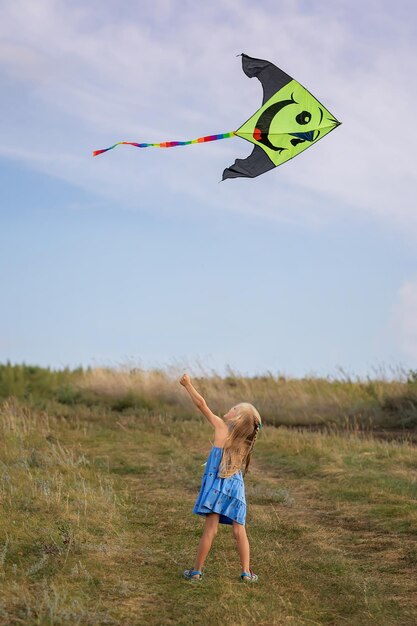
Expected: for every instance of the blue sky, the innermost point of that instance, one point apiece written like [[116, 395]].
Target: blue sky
[[143, 256]]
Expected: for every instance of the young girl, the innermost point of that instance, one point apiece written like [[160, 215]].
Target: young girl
[[222, 493]]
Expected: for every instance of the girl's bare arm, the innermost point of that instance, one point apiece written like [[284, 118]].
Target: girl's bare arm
[[200, 403]]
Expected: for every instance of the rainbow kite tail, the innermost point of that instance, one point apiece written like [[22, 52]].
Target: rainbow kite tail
[[167, 144]]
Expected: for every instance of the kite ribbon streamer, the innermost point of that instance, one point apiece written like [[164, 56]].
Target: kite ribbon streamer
[[167, 144]]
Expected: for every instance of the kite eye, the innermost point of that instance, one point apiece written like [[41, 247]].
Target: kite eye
[[303, 118]]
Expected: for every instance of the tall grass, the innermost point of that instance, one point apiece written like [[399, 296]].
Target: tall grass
[[310, 401], [39, 384]]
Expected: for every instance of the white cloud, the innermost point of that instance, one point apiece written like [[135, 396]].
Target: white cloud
[[84, 76]]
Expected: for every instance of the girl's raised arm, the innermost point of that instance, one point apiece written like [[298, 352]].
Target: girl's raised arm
[[199, 401]]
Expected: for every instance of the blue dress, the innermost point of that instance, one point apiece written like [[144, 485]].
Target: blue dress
[[225, 496]]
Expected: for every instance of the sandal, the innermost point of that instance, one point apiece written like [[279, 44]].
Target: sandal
[[189, 573], [250, 576]]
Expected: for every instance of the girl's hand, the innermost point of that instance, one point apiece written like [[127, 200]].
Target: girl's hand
[[185, 380], [200, 403]]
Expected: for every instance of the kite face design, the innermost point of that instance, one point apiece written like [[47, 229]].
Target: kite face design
[[290, 120], [288, 123]]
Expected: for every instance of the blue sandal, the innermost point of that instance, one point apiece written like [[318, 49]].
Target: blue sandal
[[249, 577], [189, 573]]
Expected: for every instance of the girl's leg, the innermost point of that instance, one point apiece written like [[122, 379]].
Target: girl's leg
[[210, 531], [239, 533]]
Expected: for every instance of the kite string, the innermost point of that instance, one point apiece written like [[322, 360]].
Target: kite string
[[167, 144]]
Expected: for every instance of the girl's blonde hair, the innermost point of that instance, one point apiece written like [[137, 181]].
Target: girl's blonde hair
[[237, 448]]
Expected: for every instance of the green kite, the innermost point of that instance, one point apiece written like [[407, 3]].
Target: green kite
[[290, 120]]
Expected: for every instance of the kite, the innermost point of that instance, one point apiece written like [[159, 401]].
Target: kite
[[290, 120]]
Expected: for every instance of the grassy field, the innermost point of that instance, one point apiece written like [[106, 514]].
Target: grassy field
[[96, 522]]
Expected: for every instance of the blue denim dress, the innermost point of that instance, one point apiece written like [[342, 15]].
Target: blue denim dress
[[225, 496]]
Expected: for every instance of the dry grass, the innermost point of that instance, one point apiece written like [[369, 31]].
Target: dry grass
[[60, 517], [142, 387], [344, 403], [96, 524]]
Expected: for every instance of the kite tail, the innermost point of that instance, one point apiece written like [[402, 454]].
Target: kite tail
[[167, 144]]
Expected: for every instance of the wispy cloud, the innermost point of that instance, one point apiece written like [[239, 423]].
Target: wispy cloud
[[81, 77]]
